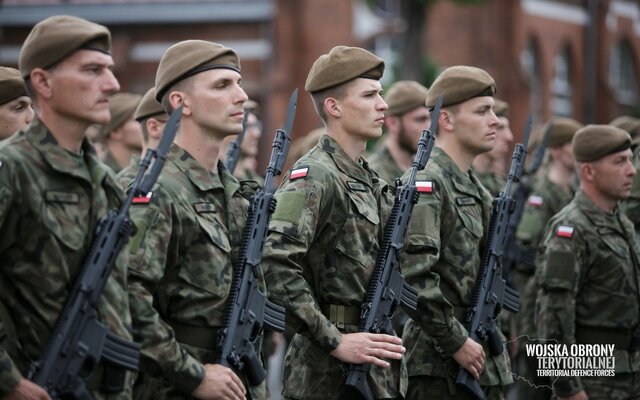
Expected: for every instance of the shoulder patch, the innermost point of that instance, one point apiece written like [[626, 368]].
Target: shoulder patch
[[465, 201], [357, 186], [299, 173], [425, 186], [565, 231], [535, 201], [142, 199]]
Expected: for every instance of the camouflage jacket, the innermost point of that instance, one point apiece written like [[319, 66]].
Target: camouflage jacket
[[321, 251], [110, 161], [50, 204], [189, 233], [588, 282], [385, 166], [493, 182], [127, 175], [444, 247]]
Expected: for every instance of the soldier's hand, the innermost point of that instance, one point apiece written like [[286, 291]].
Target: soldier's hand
[[581, 395], [371, 348], [471, 357], [220, 383], [27, 390]]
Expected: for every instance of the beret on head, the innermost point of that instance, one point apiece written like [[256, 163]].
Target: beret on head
[[460, 83], [629, 124], [501, 108], [593, 142], [148, 106], [404, 96], [122, 107], [56, 38], [563, 130], [341, 65], [11, 85], [190, 57]]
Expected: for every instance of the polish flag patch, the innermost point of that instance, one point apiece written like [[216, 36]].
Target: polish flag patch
[[424, 186], [535, 201], [142, 199], [565, 231], [299, 173]]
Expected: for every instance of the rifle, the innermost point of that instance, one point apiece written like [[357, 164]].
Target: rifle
[[387, 287], [491, 292], [248, 310], [79, 341], [514, 253], [233, 151]]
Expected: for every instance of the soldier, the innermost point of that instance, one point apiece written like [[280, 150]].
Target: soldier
[[54, 191], [491, 167], [247, 166], [152, 119], [588, 268], [405, 119], [190, 228], [122, 136], [15, 105], [325, 233], [446, 242], [631, 205], [553, 190]]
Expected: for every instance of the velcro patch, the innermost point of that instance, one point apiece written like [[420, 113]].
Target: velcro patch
[[465, 201], [299, 173], [535, 201], [204, 208], [565, 231], [357, 186], [425, 186], [142, 199], [62, 197], [289, 206]]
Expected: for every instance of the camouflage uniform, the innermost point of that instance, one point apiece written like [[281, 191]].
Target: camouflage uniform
[[181, 270], [110, 161], [128, 174], [250, 175], [588, 292], [318, 259], [385, 166], [50, 203], [493, 182], [443, 254], [631, 206]]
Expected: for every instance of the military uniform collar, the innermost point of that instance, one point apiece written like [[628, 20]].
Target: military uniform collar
[[466, 183], [357, 170], [596, 215], [62, 160], [200, 176]]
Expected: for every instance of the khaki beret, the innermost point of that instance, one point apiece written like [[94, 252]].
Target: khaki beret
[[501, 108], [122, 106], [629, 124], [563, 130], [148, 106], [341, 65], [593, 142], [404, 96], [11, 85], [461, 83], [190, 57], [56, 38]]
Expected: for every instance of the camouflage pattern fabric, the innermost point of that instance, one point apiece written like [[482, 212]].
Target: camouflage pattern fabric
[[587, 275], [128, 174], [432, 387], [493, 182], [250, 175], [321, 249], [631, 206], [385, 166], [444, 247], [50, 204], [110, 161], [189, 233]]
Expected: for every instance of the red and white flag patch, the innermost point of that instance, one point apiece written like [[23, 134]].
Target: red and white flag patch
[[299, 173], [424, 186], [535, 201], [142, 199], [565, 231]]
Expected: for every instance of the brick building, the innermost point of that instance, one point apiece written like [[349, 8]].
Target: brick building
[[546, 56]]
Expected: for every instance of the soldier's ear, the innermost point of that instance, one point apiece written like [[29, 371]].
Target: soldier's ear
[[41, 82], [587, 171], [332, 107], [447, 119], [177, 99]]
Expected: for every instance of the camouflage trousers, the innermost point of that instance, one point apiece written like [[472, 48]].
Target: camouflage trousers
[[432, 387], [619, 387]]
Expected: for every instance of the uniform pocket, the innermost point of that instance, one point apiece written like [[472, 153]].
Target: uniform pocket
[[63, 215], [358, 238]]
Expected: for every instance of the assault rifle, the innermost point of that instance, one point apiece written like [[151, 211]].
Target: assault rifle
[[387, 287], [248, 310], [514, 253], [233, 151], [79, 341], [491, 292]]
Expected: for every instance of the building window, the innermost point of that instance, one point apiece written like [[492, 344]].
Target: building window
[[622, 73], [561, 90], [530, 61]]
